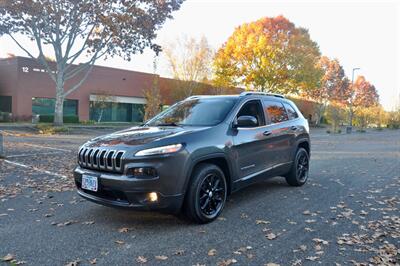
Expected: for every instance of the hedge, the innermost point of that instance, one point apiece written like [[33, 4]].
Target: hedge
[[50, 119]]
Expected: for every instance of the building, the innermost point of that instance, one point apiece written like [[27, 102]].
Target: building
[[107, 95], [115, 95]]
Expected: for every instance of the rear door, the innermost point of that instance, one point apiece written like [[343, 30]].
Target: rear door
[[280, 130]]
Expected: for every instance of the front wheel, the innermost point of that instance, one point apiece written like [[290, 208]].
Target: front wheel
[[206, 194], [298, 174]]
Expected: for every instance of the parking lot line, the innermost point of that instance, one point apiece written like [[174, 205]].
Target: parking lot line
[[35, 168], [45, 147], [33, 154]]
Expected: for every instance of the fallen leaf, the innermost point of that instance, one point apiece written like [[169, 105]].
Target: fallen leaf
[[119, 242], [227, 262], [212, 252], [303, 247], [8, 257], [93, 261], [262, 222], [179, 252], [123, 230], [141, 260], [73, 263], [312, 258], [271, 264], [161, 257], [318, 240], [271, 236]]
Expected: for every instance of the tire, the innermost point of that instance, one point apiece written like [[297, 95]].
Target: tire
[[206, 195], [298, 174]]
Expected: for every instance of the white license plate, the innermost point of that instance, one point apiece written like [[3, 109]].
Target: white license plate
[[89, 182]]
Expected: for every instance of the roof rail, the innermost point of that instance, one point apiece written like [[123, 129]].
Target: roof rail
[[245, 93]]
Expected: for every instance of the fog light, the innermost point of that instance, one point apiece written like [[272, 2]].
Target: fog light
[[153, 197]]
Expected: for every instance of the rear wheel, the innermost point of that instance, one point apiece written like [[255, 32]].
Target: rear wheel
[[206, 194], [298, 174]]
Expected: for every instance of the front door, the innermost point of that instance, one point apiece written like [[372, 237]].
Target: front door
[[249, 143]]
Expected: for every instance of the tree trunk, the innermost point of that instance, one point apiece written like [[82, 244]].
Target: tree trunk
[[59, 105], [100, 116]]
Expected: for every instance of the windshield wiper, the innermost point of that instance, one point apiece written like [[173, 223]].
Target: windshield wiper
[[172, 124]]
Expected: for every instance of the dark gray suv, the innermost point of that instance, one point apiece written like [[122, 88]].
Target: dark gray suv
[[196, 153]]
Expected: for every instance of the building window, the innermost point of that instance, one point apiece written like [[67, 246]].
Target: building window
[[116, 112], [45, 106], [6, 104]]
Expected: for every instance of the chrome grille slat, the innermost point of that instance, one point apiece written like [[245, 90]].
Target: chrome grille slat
[[101, 159]]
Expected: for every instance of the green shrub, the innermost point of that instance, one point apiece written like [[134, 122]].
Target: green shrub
[[5, 117], [88, 122], [67, 119], [50, 130]]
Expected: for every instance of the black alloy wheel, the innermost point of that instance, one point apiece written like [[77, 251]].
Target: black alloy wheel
[[298, 174], [206, 195], [211, 195], [302, 167]]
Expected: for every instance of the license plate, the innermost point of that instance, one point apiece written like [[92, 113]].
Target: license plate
[[89, 182]]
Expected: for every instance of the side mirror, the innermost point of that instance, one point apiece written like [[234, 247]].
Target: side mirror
[[245, 121]]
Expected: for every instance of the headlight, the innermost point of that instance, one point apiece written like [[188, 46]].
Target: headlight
[[160, 150]]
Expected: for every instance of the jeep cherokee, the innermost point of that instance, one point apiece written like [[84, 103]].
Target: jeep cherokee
[[197, 152]]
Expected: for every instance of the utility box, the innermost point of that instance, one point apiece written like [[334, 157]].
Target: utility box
[[348, 129], [35, 119]]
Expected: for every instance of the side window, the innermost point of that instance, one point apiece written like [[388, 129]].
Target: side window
[[253, 108], [291, 112], [275, 112]]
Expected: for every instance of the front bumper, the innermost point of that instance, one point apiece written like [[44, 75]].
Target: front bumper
[[118, 190]]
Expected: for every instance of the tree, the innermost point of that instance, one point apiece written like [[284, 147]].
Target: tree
[[153, 97], [364, 95], [335, 113], [190, 63], [85, 29], [270, 54], [334, 86], [102, 102]]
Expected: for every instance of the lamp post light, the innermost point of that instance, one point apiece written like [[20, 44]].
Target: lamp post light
[[351, 99]]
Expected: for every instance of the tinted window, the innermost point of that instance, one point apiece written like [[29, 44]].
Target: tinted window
[[290, 111], [45, 106], [195, 112], [5, 104], [253, 108], [275, 111]]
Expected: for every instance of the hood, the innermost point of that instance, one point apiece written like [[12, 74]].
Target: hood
[[139, 136]]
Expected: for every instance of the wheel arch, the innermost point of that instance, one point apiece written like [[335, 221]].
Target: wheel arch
[[218, 159], [304, 143]]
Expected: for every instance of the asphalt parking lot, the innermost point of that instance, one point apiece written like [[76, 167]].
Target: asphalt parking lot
[[348, 213]]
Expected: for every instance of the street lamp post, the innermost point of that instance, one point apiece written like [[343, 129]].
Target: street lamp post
[[351, 97]]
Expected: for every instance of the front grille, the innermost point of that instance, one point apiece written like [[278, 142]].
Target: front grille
[[101, 159]]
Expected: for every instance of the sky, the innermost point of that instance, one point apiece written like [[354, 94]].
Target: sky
[[361, 34]]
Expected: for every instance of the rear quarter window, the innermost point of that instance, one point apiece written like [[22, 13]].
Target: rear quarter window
[[292, 114]]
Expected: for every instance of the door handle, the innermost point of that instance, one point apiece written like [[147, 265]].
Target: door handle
[[267, 133], [293, 128]]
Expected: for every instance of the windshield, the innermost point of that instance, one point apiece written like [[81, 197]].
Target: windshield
[[194, 112]]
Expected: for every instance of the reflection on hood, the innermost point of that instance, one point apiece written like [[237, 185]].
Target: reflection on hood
[[137, 136]]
